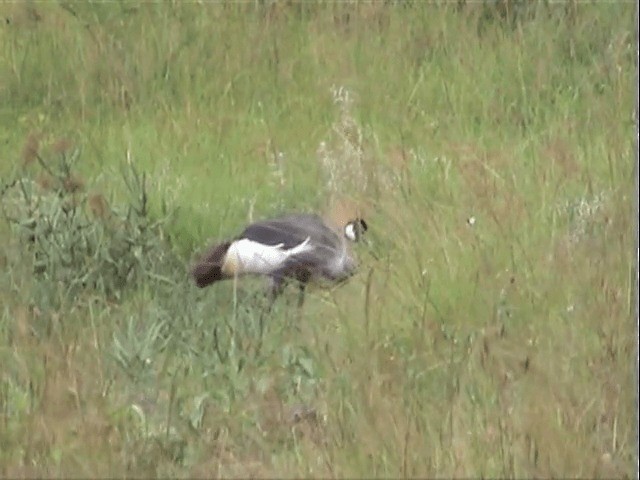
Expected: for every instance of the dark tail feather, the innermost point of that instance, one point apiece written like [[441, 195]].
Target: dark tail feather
[[208, 269]]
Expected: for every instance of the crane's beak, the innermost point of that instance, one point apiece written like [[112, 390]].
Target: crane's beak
[[370, 247]]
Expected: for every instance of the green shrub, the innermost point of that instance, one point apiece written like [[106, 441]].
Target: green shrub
[[77, 240]]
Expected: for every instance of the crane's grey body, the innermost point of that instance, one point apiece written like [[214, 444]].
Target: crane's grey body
[[328, 257], [296, 246]]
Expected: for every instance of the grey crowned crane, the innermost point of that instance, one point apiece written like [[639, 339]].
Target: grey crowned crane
[[300, 247]]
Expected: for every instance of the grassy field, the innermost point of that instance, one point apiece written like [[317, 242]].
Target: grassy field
[[490, 330]]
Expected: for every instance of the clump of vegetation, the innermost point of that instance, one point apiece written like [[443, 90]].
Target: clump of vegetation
[[75, 238]]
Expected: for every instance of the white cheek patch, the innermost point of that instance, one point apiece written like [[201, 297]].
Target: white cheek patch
[[247, 256], [350, 232]]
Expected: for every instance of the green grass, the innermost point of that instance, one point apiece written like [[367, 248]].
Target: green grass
[[501, 348]]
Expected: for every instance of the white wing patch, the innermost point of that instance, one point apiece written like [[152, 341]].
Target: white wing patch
[[246, 256]]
